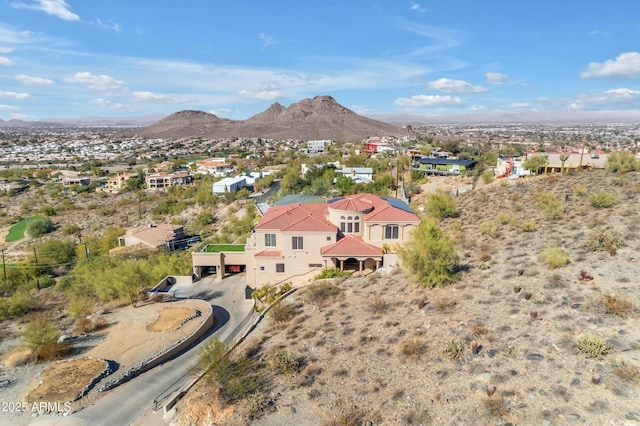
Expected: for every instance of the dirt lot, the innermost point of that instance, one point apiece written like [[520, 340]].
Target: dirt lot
[[386, 350]]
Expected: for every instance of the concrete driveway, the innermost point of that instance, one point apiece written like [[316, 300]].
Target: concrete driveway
[[128, 402]]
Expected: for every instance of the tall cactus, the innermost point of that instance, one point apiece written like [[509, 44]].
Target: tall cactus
[[563, 157]]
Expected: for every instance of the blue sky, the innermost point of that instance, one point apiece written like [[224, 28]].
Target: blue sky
[[234, 58]]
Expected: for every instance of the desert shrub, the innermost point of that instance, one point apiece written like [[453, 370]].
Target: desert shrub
[[319, 293], [38, 227], [256, 404], [555, 257], [413, 348], [622, 161], [626, 371], [527, 225], [478, 329], [71, 229], [444, 303], [496, 406], [601, 200], [489, 228], [604, 240], [54, 350], [40, 333], [234, 374], [503, 218], [48, 210], [592, 346], [487, 177], [452, 349], [378, 305], [330, 273], [579, 190], [282, 311], [440, 205], [617, 304], [550, 204], [17, 304], [353, 417], [282, 361], [430, 255]]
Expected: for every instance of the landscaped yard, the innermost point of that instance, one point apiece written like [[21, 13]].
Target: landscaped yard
[[16, 232]]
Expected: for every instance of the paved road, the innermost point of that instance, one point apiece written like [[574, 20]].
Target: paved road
[[127, 402]]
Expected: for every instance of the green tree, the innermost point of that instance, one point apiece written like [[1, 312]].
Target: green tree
[[440, 205], [39, 333], [430, 255], [38, 227], [535, 163], [622, 161]]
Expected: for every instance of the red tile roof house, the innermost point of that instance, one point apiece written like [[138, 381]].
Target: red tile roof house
[[294, 242]]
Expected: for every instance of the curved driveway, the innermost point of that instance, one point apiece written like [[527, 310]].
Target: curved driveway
[[129, 401]]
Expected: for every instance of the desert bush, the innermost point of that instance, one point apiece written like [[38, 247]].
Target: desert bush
[[452, 349], [38, 227], [601, 200], [40, 333], [71, 229], [441, 205], [319, 293], [282, 311], [430, 255], [550, 204], [413, 348], [378, 305], [503, 218], [234, 374], [617, 304], [330, 273], [496, 406], [489, 228], [626, 371], [604, 240], [48, 210], [478, 329], [17, 304], [256, 404], [353, 417], [444, 303], [579, 190], [592, 346], [527, 225], [622, 161], [555, 257], [282, 361], [487, 177]]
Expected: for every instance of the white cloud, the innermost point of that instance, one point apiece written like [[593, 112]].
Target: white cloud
[[104, 103], [96, 82], [220, 112], [109, 25], [267, 40], [5, 61], [447, 85], [58, 8], [14, 95], [262, 95], [416, 7], [520, 105], [8, 107], [28, 80], [625, 65], [418, 101], [496, 78], [145, 96], [6, 49]]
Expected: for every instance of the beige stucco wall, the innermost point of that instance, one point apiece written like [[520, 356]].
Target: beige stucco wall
[[374, 233]]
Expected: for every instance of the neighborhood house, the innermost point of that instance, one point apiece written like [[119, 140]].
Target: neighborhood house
[[295, 241]]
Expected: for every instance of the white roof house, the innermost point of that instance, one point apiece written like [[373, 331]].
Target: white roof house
[[230, 184]]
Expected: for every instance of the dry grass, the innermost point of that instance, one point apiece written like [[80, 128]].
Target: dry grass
[[617, 304], [627, 371], [171, 319], [65, 380], [413, 348]]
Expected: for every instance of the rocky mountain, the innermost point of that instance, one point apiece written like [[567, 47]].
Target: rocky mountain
[[318, 118]]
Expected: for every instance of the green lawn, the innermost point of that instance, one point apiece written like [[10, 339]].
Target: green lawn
[[16, 232], [217, 248]]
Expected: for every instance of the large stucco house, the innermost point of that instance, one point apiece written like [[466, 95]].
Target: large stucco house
[[294, 242]]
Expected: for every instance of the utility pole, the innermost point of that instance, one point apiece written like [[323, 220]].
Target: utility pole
[[86, 249], [35, 255], [4, 266]]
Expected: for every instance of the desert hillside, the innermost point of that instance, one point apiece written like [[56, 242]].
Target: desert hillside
[[526, 336]]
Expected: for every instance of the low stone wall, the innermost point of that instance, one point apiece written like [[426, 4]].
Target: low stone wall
[[164, 356]]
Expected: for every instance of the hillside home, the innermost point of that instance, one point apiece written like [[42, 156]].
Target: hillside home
[[378, 147], [575, 160], [318, 146], [116, 183], [162, 181], [79, 180], [295, 241], [214, 166], [442, 166], [511, 166], [230, 184], [358, 174], [152, 237]]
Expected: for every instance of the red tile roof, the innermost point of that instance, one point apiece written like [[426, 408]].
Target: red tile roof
[[297, 217], [351, 245]]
